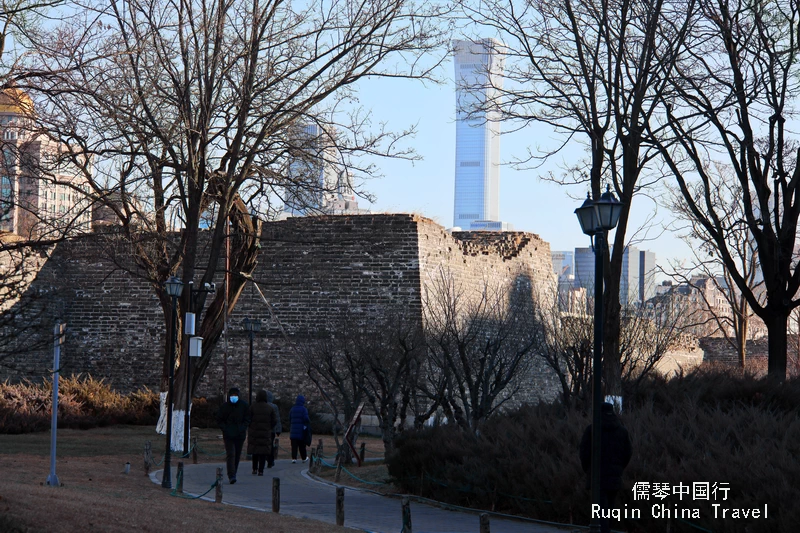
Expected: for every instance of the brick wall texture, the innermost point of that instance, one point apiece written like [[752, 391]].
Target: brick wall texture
[[310, 269]]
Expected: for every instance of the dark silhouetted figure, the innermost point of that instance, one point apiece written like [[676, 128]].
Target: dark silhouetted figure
[[261, 432], [615, 454], [233, 418]]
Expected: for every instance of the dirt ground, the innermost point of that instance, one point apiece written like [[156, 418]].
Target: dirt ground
[[97, 496]]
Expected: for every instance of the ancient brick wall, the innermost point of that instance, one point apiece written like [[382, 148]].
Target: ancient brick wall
[[310, 269], [504, 258], [718, 350]]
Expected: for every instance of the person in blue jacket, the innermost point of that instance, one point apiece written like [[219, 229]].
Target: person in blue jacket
[[299, 421]]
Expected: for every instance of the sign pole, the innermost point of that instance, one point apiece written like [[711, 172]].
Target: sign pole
[[58, 335]]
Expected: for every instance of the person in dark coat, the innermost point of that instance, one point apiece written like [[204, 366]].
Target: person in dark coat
[[278, 429], [299, 421], [615, 454], [261, 432], [233, 418]]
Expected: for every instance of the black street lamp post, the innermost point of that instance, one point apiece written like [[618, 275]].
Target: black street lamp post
[[596, 219], [174, 288], [252, 326], [189, 330]]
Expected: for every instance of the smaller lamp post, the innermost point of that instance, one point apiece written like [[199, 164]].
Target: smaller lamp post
[[252, 326], [596, 219], [195, 350], [174, 287]]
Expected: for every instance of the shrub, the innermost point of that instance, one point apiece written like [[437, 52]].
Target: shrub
[[83, 402], [704, 426]]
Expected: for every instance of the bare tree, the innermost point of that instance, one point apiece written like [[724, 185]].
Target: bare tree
[[647, 334], [736, 88], [481, 343], [181, 108], [732, 319], [368, 359], [594, 71]]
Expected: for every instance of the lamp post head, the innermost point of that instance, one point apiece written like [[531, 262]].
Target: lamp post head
[[174, 286], [252, 325], [587, 216], [599, 215], [607, 209]]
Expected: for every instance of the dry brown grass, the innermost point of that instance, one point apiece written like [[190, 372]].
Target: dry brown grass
[[97, 497]]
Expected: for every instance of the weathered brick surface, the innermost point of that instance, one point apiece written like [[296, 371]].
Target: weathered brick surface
[[718, 350], [309, 270]]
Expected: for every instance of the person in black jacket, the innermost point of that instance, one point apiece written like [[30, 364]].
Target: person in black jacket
[[233, 418], [261, 432], [278, 430], [615, 454]]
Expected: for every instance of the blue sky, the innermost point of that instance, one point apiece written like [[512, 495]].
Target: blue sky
[[526, 201]]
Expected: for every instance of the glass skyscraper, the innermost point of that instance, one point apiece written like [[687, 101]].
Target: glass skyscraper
[[478, 75], [319, 179]]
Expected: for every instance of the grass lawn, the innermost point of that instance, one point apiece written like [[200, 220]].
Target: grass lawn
[[97, 496]]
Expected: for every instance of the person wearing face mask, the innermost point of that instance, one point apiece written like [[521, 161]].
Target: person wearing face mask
[[233, 418]]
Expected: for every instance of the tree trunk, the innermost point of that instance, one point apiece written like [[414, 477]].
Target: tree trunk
[[777, 342], [742, 340]]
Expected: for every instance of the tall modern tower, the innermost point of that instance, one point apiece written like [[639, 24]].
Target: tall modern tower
[[479, 68], [321, 182]]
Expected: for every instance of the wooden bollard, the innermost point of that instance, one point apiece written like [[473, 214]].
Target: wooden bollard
[[218, 495], [339, 506], [319, 448], [362, 452], [148, 456], [179, 487], [276, 494], [311, 461], [406, 516], [485, 523], [194, 450], [339, 465]]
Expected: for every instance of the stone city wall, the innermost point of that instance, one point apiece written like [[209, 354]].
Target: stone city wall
[[310, 270]]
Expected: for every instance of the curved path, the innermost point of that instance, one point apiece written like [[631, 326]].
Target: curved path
[[304, 497]]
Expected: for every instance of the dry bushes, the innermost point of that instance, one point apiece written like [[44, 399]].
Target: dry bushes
[[83, 402], [700, 427]]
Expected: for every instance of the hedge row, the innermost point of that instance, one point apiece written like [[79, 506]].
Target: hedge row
[[737, 431]]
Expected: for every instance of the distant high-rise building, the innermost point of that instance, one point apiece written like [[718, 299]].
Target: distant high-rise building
[[647, 275], [584, 269], [478, 74], [320, 182], [563, 264], [629, 278], [637, 279], [42, 191]]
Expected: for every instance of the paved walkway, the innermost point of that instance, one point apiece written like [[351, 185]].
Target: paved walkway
[[304, 497]]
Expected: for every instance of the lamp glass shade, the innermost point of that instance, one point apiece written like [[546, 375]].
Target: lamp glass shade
[[174, 286], [608, 209], [247, 325], [587, 216], [255, 324]]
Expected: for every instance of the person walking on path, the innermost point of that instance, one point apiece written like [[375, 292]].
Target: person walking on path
[[261, 432], [233, 418], [615, 454], [278, 429], [299, 421]]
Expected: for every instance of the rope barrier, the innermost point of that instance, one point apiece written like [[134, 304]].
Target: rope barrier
[[346, 471], [179, 482], [199, 449]]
